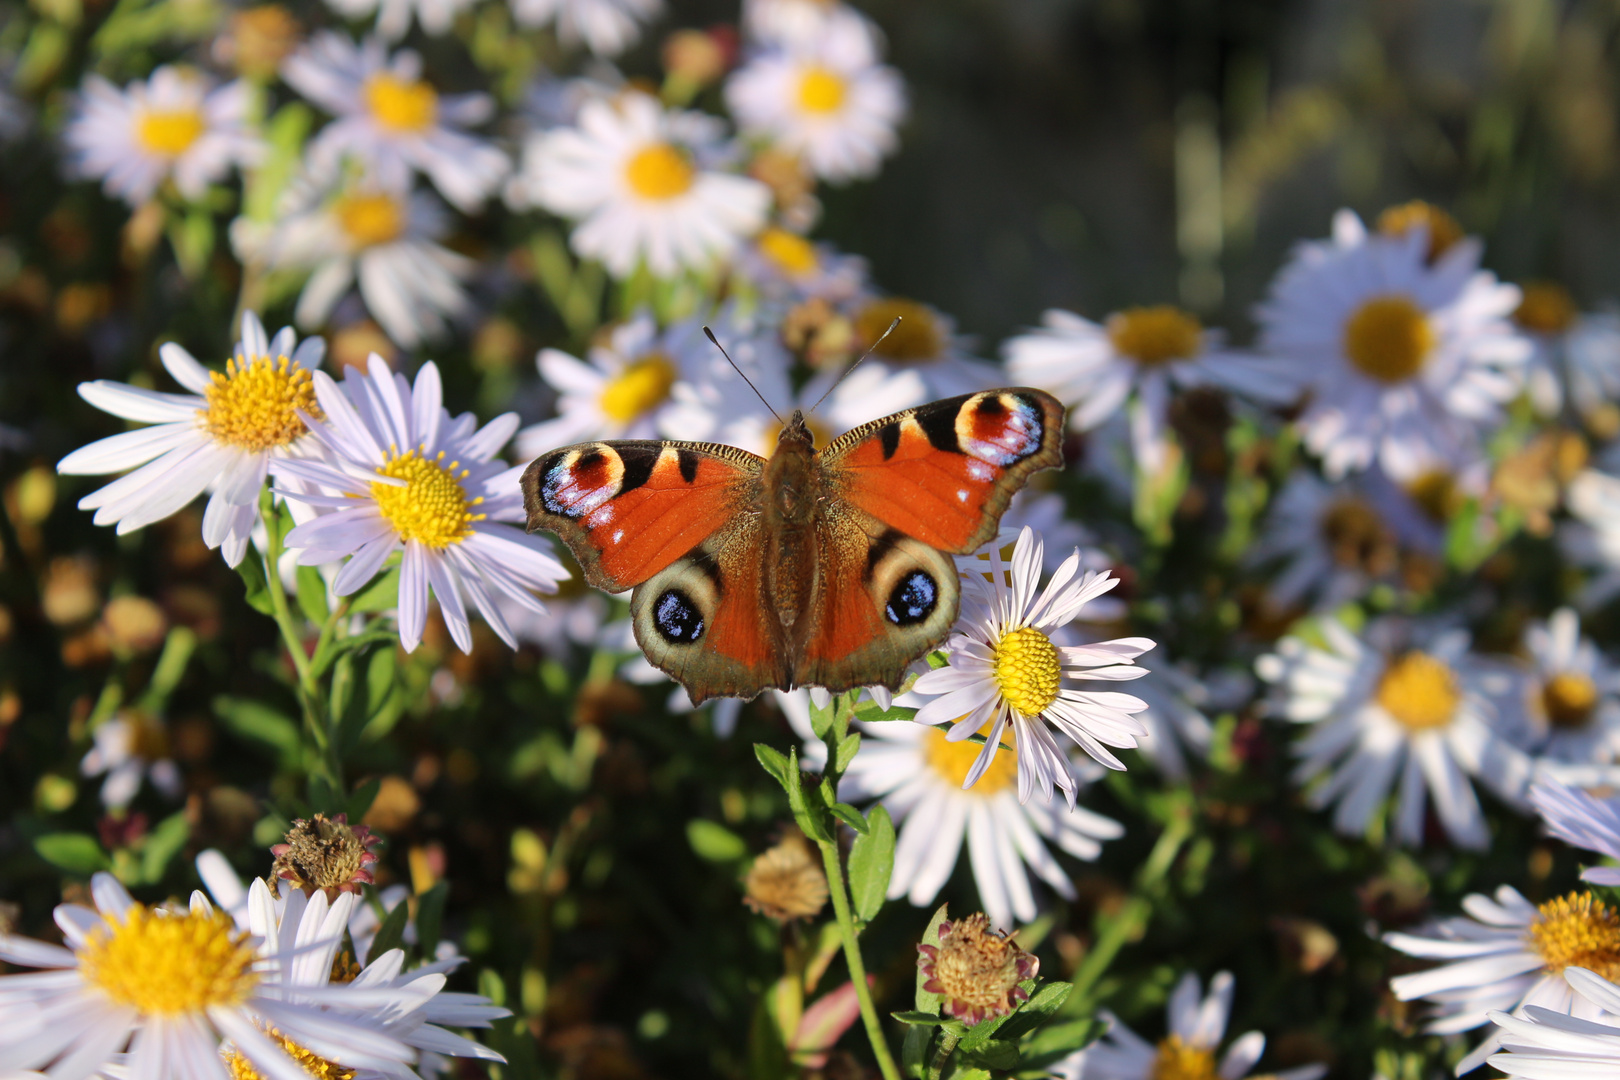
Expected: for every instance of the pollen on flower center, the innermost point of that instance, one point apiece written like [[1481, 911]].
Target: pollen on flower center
[[659, 172], [167, 965], [953, 761], [313, 1064], [1388, 338], [1155, 335], [820, 90], [790, 252], [169, 132], [401, 105], [1176, 1059], [1027, 670], [1568, 698], [255, 404], [371, 218], [1545, 308], [918, 337], [432, 507], [1419, 691], [641, 386], [1577, 930], [1357, 538]]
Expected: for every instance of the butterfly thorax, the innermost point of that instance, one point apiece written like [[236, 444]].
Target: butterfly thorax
[[790, 488]]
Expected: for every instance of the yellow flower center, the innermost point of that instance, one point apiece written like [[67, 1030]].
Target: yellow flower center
[[918, 337], [1388, 338], [640, 387], [1357, 538], [1435, 493], [659, 172], [821, 91], [793, 254], [1027, 670], [432, 506], [400, 105], [1545, 308], [370, 219], [953, 761], [1443, 228], [1177, 1060], [1419, 691], [316, 1066], [169, 133], [168, 965], [1568, 697], [1154, 335], [1577, 930], [255, 405]]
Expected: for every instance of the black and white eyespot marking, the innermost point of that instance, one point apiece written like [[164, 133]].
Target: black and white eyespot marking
[[889, 439], [576, 482], [990, 406], [676, 618], [913, 599], [688, 463]]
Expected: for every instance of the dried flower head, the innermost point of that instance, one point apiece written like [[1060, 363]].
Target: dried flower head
[[786, 881], [326, 854], [976, 969]]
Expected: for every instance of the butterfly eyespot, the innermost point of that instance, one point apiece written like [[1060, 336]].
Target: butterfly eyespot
[[678, 620], [912, 600]]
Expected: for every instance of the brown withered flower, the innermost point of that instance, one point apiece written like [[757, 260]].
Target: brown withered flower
[[786, 882], [325, 854], [976, 969]]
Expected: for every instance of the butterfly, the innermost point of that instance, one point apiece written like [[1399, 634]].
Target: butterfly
[[808, 568]]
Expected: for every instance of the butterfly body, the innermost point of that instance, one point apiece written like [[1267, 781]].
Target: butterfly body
[[829, 568]]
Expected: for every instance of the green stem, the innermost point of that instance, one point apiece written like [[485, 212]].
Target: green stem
[[947, 1046], [852, 957]]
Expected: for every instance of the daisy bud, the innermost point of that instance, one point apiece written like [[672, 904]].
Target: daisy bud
[[977, 970], [326, 854], [786, 882]]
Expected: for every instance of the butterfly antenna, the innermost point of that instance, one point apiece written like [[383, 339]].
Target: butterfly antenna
[[745, 378], [870, 350]]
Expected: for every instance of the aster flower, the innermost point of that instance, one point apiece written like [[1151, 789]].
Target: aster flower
[[1510, 954], [1592, 539], [171, 986], [1407, 357], [925, 342], [221, 437], [786, 267], [131, 745], [1197, 1025], [439, 499], [1422, 714], [976, 970], [918, 774], [1576, 357], [1570, 696], [826, 100], [174, 125], [606, 27], [392, 122], [641, 183], [1331, 542], [326, 855], [1548, 1045], [394, 16], [1004, 672], [1582, 821], [1175, 719], [1137, 358], [790, 24]]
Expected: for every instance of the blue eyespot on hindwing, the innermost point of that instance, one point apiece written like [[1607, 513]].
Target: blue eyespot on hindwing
[[912, 600], [678, 620]]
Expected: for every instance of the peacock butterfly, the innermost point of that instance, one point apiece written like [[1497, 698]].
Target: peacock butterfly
[[810, 568]]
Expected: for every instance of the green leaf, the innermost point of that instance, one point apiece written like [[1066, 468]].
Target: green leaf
[[998, 1054], [322, 799], [390, 933], [925, 1019], [871, 713], [871, 862], [776, 763], [193, 239], [927, 1000], [74, 853], [259, 723], [914, 1052], [714, 842], [848, 747], [981, 1033], [1041, 1006], [381, 595], [258, 592], [363, 797], [430, 917], [162, 845], [312, 595], [821, 718], [1057, 1041], [849, 816]]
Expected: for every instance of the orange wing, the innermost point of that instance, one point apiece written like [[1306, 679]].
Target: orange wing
[[628, 510], [943, 473]]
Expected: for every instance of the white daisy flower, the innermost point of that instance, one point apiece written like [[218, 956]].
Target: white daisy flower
[[1046, 513], [1571, 694], [606, 27], [1197, 1025], [1547, 1045], [394, 16], [131, 746], [1510, 954], [401, 473], [917, 773], [828, 102], [1175, 719], [1137, 357], [1581, 821], [1406, 359], [1003, 670], [172, 125], [1592, 539], [382, 242], [1331, 542], [1577, 356], [639, 182], [786, 267], [925, 342], [1425, 715], [220, 438], [171, 986], [788, 24], [392, 122]]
